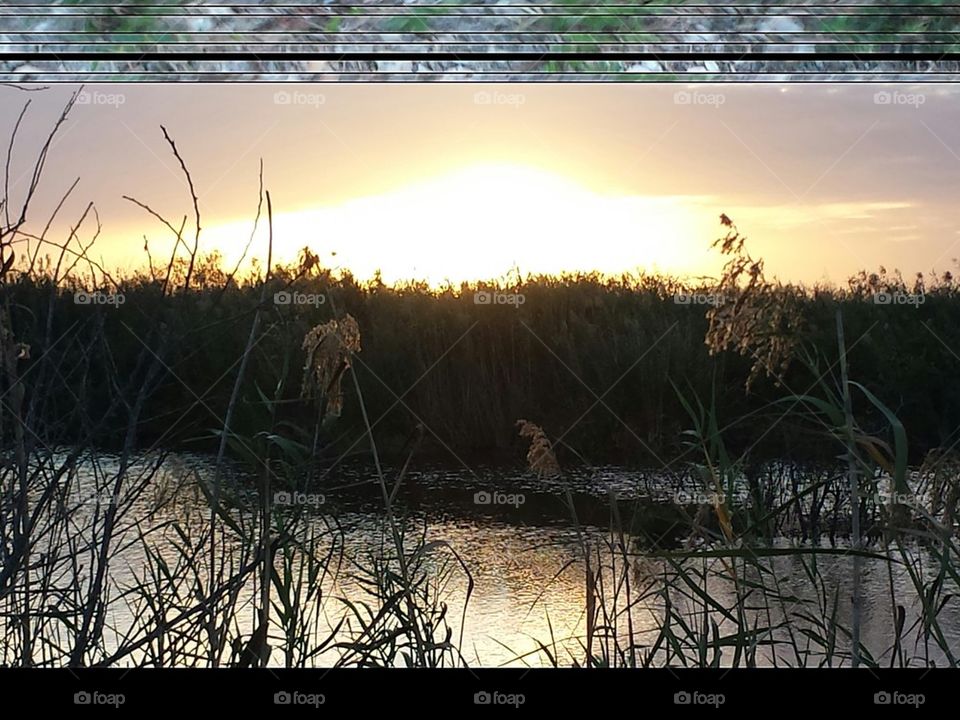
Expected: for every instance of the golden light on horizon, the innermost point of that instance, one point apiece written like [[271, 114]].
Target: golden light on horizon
[[481, 222], [425, 183]]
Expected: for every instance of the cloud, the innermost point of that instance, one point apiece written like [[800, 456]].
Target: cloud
[[797, 215]]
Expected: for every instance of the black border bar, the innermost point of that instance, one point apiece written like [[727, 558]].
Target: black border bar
[[633, 692]]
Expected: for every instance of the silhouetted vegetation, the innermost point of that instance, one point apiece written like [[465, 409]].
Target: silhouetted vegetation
[[579, 345], [782, 415]]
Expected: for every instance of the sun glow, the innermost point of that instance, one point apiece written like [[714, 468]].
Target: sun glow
[[484, 222]]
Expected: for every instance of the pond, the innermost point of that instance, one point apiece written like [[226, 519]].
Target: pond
[[511, 542]]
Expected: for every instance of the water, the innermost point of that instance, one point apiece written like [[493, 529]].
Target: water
[[517, 540]]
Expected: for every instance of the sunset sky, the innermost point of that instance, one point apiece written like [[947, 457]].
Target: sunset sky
[[465, 181]]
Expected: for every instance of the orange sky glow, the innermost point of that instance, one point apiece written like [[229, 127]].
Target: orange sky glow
[[452, 183]]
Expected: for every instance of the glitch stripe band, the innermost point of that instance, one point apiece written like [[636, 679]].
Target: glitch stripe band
[[451, 40]]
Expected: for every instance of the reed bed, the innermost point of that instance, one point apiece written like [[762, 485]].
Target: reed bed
[[813, 424]]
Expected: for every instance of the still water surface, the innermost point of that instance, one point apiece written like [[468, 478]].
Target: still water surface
[[515, 535]]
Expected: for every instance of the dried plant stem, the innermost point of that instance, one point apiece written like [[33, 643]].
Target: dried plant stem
[[394, 529], [853, 479], [216, 635]]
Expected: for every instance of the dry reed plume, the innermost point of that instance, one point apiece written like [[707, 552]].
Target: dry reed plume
[[329, 347], [540, 457], [764, 319]]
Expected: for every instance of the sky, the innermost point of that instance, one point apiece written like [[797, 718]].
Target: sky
[[451, 182]]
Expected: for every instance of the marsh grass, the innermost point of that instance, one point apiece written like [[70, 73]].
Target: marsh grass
[[777, 393], [720, 600], [242, 587]]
